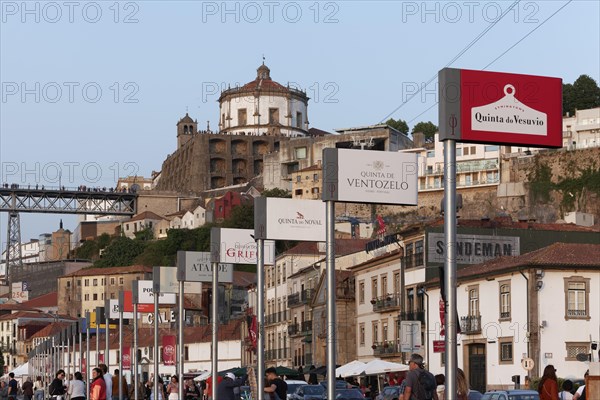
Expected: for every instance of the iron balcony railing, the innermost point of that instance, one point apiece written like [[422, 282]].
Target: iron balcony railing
[[416, 315], [389, 302], [303, 297]]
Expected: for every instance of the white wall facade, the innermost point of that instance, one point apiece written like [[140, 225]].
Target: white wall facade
[[582, 130], [557, 331], [257, 114]]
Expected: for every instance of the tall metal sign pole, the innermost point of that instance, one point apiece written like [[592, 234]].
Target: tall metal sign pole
[[80, 344], [180, 339], [450, 263], [215, 329], [134, 298], [99, 312], [87, 351], [260, 317], [330, 279], [468, 113], [155, 292], [359, 176], [106, 332], [121, 303]]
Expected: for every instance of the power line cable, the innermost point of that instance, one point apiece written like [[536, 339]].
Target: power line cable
[[506, 51], [463, 51]]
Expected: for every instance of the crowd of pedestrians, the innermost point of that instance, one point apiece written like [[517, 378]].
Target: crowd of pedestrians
[[80, 188]]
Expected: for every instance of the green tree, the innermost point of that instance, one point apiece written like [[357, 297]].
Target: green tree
[[276, 192], [242, 217], [122, 251], [427, 128], [583, 94], [399, 125]]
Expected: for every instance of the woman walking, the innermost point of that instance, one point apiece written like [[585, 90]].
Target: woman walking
[[548, 386], [77, 387], [173, 388], [38, 386], [98, 386]]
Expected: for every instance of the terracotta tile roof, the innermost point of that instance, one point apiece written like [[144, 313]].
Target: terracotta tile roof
[[392, 254], [145, 215], [177, 214], [243, 278], [131, 269], [50, 330], [507, 222], [15, 307], [342, 247], [46, 300], [24, 314], [557, 255]]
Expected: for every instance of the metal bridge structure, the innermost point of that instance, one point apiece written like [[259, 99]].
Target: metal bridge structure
[[15, 199]]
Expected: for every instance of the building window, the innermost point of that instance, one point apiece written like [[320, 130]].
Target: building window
[[299, 120], [459, 152], [87, 297], [505, 350], [374, 290], [68, 284], [95, 282], [361, 334], [574, 348], [78, 282], [298, 179], [375, 331], [474, 301], [384, 287], [121, 280], [300, 152], [273, 116], [505, 300], [361, 292], [431, 154], [242, 119], [112, 281], [577, 297], [113, 296], [186, 353], [86, 282], [315, 190], [491, 148], [396, 282], [315, 177], [95, 296]]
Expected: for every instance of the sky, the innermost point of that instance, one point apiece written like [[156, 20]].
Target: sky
[[92, 90]]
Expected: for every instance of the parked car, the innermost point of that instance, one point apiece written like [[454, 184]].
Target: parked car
[[348, 394], [339, 384], [389, 393], [309, 392], [292, 385], [516, 394]]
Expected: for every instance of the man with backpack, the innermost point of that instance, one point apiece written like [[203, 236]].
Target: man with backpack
[[420, 383]]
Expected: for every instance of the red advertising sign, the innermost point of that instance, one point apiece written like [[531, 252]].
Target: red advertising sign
[[500, 108], [168, 350], [439, 346], [126, 358], [128, 304], [83, 366]]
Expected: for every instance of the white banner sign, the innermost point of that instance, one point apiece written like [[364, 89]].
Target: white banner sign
[[410, 336], [145, 295], [369, 176], [237, 246], [167, 282], [195, 266], [114, 311], [288, 219]]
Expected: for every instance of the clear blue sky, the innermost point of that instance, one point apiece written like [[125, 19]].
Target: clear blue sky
[[356, 59]]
